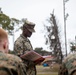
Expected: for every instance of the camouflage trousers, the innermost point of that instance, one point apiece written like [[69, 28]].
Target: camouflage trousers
[[30, 67], [62, 70], [31, 70]]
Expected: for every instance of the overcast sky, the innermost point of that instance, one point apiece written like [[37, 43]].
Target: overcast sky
[[38, 11]]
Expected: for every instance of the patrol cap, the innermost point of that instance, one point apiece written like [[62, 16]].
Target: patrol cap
[[29, 25]]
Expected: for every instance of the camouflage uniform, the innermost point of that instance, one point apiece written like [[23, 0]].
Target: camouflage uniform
[[21, 45], [11, 65], [69, 65]]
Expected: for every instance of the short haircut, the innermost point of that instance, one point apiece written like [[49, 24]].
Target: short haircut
[[3, 34]]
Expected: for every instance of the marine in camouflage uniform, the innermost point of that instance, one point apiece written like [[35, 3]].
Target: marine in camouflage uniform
[[9, 64], [23, 44], [68, 66]]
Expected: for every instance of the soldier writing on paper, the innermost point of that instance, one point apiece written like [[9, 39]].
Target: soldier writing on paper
[[23, 44]]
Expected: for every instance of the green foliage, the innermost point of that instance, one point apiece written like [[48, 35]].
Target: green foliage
[[38, 50], [11, 52], [4, 21], [7, 23], [13, 23], [10, 24], [72, 46], [42, 52]]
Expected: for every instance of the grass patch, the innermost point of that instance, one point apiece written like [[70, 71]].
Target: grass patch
[[47, 70], [47, 74], [54, 68]]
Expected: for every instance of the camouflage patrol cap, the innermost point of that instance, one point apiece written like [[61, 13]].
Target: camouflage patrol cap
[[29, 25], [70, 63]]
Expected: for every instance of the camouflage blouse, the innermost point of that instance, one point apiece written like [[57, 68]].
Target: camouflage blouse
[[12, 64], [21, 46], [69, 65]]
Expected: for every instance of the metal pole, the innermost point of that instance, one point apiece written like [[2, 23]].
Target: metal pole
[[65, 26], [75, 43]]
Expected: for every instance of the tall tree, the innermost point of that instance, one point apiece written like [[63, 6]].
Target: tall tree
[[73, 45], [8, 23], [4, 20], [52, 38]]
